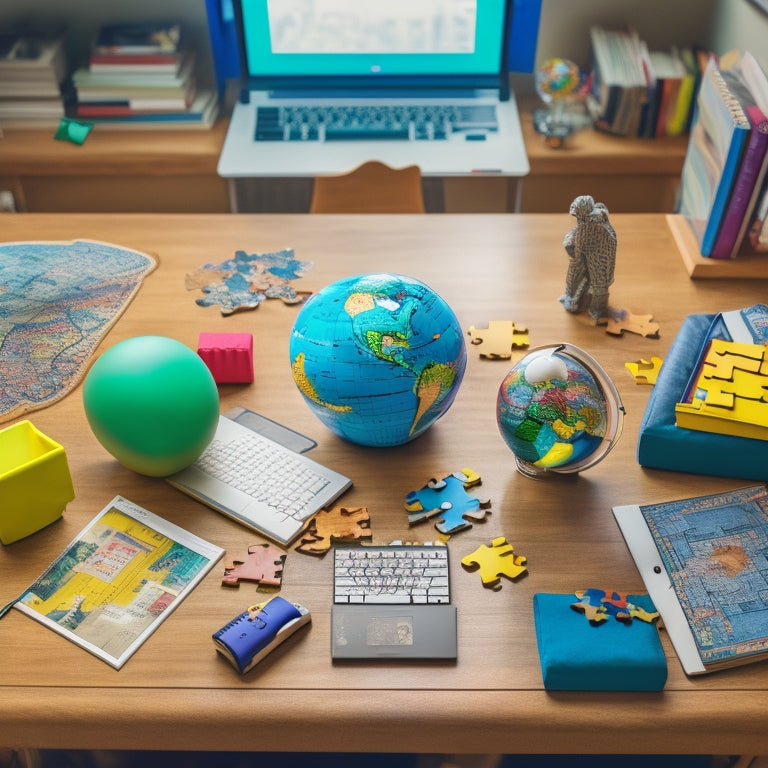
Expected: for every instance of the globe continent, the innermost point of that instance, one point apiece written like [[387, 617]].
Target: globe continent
[[558, 411], [378, 358]]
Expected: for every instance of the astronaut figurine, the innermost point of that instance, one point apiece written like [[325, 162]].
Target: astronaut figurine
[[591, 249]]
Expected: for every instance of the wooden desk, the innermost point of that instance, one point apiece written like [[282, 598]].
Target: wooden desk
[[177, 693]]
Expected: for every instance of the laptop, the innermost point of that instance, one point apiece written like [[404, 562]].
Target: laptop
[[330, 84], [392, 602], [258, 481]]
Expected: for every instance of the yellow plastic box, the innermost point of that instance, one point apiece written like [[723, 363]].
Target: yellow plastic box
[[35, 484]]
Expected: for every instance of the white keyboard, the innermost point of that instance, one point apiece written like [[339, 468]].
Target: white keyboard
[[391, 575], [259, 482]]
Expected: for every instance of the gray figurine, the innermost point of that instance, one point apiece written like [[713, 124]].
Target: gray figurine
[[591, 249]]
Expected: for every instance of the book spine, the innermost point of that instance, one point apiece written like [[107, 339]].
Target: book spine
[[737, 132], [751, 167]]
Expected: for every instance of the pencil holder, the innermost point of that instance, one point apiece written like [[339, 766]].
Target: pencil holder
[[35, 484]]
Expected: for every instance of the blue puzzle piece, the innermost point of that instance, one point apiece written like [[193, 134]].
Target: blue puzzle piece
[[448, 501]]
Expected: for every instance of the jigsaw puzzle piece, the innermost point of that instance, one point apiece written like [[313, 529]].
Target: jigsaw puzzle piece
[[598, 604], [264, 566], [499, 339], [619, 320], [494, 561], [724, 357], [339, 524], [448, 501], [644, 371]]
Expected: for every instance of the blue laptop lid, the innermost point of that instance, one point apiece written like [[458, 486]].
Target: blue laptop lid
[[372, 45]]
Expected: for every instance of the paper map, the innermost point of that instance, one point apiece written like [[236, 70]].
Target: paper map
[[57, 301], [120, 577], [715, 551]]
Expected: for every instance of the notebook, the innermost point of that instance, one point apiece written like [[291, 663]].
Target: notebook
[[259, 482], [385, 61], [392, 601]]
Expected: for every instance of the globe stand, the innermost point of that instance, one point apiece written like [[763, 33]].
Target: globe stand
[[557, 122]]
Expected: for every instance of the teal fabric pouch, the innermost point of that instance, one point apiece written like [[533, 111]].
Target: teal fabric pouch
[[614, 655]]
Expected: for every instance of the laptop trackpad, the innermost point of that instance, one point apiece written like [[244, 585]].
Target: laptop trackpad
[[393, 631]]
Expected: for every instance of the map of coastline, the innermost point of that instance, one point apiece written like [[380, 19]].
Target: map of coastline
[[57, 301]]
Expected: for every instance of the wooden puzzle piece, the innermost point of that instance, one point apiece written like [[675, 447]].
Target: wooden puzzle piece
[[448, 501], [644, 371], [495, 561], [339, 524], [264, 566], [724, 358], [499, 339], [598, 604], [619, 320]]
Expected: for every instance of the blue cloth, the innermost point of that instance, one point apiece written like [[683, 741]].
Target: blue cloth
[[663, 445], [612, 656]]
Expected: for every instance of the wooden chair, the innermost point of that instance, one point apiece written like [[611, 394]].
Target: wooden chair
[[372, 187]]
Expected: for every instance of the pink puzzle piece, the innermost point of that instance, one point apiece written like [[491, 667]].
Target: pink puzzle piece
[[264, 566]]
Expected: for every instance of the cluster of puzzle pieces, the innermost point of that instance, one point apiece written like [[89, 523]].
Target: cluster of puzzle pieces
[[598, 604], [731, 392]]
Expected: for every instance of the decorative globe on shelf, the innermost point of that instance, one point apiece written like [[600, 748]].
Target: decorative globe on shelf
[[558, 85], [558, 411], [557, 79], [378, 358]]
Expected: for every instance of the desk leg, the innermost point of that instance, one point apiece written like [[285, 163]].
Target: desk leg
[[232, 194], [517, 203]]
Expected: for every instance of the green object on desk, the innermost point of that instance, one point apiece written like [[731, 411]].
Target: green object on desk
[[73, 131]]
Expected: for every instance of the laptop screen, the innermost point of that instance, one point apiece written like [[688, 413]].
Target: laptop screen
[[375, 40]]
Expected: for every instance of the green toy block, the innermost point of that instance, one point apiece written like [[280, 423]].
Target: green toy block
[[35, 484]]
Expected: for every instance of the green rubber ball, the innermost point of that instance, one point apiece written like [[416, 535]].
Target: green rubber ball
[[152, 403]]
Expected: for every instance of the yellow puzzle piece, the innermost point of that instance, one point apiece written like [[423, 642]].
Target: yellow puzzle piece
[[644, 371], [499, 339], [494, 562]]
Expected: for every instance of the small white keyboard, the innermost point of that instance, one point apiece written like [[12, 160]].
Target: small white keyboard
[[259, 482], [391, 575]]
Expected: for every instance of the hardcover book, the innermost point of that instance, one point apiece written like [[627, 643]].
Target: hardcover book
[[715, 147]]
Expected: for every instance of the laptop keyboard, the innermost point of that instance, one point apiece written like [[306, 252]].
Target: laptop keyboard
[[391, 575], [266, 472], [349, 123]]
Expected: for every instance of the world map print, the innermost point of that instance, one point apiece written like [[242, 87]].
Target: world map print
[[57, 301]]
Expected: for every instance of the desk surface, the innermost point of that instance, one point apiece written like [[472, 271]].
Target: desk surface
[[177, 693]]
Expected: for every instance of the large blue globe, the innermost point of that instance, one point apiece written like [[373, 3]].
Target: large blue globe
[[558, 411], [378, 358]]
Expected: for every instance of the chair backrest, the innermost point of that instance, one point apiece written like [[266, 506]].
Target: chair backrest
[[372, 187]]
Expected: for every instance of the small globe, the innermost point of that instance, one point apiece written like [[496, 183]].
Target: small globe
[[558, 411], [557, 79], [378, 358], [153, 403]]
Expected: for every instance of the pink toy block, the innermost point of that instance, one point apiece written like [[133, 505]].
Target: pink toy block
[[229, 356]]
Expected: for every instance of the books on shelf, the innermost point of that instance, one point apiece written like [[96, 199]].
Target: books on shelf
[[704, 564], [140, 76], [713, 158], [637, 92], [33, 69], [726, 165]]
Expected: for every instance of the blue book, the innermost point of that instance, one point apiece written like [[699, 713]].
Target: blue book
[[713, 159]]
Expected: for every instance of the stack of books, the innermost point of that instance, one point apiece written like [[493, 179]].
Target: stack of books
[[638, 92], [139, 75], [33, 70], [723, 180]]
